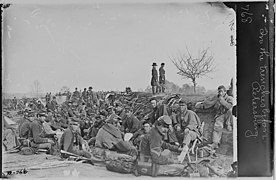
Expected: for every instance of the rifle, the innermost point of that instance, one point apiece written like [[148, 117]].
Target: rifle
[[77, 157]]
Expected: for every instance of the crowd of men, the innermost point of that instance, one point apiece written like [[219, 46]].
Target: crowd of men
[[86, 120]]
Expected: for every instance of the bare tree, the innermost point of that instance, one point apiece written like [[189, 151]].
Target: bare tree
[[36, 88], [192, 68]]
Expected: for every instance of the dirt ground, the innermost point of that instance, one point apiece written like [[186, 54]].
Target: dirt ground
[[63, 169]]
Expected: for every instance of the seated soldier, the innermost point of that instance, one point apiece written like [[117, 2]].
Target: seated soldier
[[120, 111], [153, 146], [93, 131], [110, 137], [71, 141], [49, 123], [131, 123], [24, 125], [62, 117], [39, 139], [187, 126], [137, 136], [157, 111], [40, 106]]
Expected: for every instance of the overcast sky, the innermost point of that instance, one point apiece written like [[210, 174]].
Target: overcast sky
[[111, 46]]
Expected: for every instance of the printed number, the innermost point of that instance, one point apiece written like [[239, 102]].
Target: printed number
[[246, 15], [247, 8], [248, 19]]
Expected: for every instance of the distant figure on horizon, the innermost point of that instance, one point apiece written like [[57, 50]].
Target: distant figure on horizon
[[154, 78], [162, 77]]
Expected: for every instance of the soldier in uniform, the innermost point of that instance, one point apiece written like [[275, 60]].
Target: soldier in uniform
[[14, 103], [158, 110], [187, 126], [153, 145], [39, 138], [223, 105], [84, 95], [92, 97], [162, 77], [131, 124], [154, 77], [40, 106], [76, 95]]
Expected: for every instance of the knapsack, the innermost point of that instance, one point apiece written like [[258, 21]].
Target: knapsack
[[121, 163], [27, 151]]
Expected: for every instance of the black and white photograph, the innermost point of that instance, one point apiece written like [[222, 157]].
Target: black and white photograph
[[119, 89]]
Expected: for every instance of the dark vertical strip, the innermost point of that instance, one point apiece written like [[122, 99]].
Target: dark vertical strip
[[2, 11], [255, 111]]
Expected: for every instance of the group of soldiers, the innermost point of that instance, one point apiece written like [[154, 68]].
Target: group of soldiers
[[158, 86], [83, 121]]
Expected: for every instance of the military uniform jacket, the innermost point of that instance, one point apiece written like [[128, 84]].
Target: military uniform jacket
[[132, 124], [37, 132], [153, 142], [158, 111], [188, 119]]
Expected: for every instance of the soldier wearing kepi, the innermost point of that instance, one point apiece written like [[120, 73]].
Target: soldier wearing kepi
[[153, 145], [162, 77], [223, 104], [187, 125], [154, 78]]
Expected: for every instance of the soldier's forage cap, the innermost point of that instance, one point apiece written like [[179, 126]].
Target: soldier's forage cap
[[165, 119], [90, 87], [154, 64], [162, 64]]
